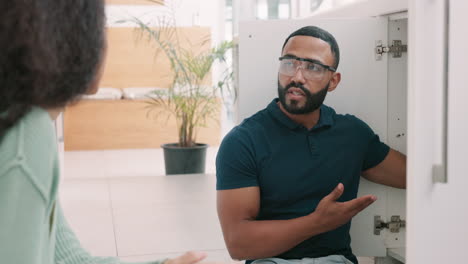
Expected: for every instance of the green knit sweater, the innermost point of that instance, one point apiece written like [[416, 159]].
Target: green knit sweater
[[33, 229]]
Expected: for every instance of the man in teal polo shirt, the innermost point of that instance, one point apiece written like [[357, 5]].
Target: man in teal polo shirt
[[288, 176]]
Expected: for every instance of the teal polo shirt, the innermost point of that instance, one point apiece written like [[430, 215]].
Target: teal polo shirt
[[295, 167]]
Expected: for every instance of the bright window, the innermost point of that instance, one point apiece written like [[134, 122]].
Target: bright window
[[273, 9]]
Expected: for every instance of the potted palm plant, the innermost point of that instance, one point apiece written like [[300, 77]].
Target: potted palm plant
[[191, 99]]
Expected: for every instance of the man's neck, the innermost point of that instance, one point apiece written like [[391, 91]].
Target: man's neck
[[307, 120]]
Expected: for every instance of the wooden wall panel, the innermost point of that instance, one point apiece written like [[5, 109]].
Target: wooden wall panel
[[132, 61], [122, 124]]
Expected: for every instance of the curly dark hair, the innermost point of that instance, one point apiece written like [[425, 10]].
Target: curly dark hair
[[50, 52]]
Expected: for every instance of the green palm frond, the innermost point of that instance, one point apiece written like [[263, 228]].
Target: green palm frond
[[191, 102]]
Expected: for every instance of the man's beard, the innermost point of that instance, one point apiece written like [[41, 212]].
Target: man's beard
[[312, 100]]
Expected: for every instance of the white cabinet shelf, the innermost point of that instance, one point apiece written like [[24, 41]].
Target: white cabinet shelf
[[397, 253]]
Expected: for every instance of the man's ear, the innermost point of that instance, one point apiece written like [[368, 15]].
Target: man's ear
[[335, 80]]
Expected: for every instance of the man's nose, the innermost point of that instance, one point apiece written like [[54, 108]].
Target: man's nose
[[298, 75]]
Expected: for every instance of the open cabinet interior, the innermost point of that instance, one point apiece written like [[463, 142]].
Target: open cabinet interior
[[397, 132], [373, 88]]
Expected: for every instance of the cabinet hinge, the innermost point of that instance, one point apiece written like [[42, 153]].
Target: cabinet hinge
[[397, 48], [394, 225]]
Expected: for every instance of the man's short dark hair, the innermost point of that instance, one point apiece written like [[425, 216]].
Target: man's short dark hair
[[316, 32]]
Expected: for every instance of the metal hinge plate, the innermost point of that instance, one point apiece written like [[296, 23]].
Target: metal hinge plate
[[397, 48], [394, 225]]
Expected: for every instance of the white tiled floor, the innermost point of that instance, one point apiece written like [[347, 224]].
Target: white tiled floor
[[140, 218], [125, 206]]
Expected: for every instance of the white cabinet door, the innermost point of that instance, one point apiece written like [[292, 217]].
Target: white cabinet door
[[437, 212], [362, 92]]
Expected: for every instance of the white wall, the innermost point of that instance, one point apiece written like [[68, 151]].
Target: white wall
[[206, 13]]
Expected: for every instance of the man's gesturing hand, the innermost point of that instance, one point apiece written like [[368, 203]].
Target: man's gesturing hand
[[333, 214], [190, 257]]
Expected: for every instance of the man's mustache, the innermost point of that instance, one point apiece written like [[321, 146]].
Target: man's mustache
[[296, 85]]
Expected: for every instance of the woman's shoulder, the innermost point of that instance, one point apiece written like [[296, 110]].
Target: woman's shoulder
[[30, 145], [38, 133], [34, 127], [34, 132]]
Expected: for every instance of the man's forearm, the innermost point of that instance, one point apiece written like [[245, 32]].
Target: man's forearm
[[252, 239], [391, 171]]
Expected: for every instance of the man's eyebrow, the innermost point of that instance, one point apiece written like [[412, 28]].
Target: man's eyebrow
[[290, 56]]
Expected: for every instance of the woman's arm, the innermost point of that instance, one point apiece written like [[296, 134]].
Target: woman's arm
[[68, 249]]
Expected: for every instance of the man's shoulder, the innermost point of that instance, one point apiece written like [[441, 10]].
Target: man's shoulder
[[249, 132], [352, 125], [346, 119], [254, 123]]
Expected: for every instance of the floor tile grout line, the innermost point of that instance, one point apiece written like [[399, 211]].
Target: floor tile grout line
[[112, 216]]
